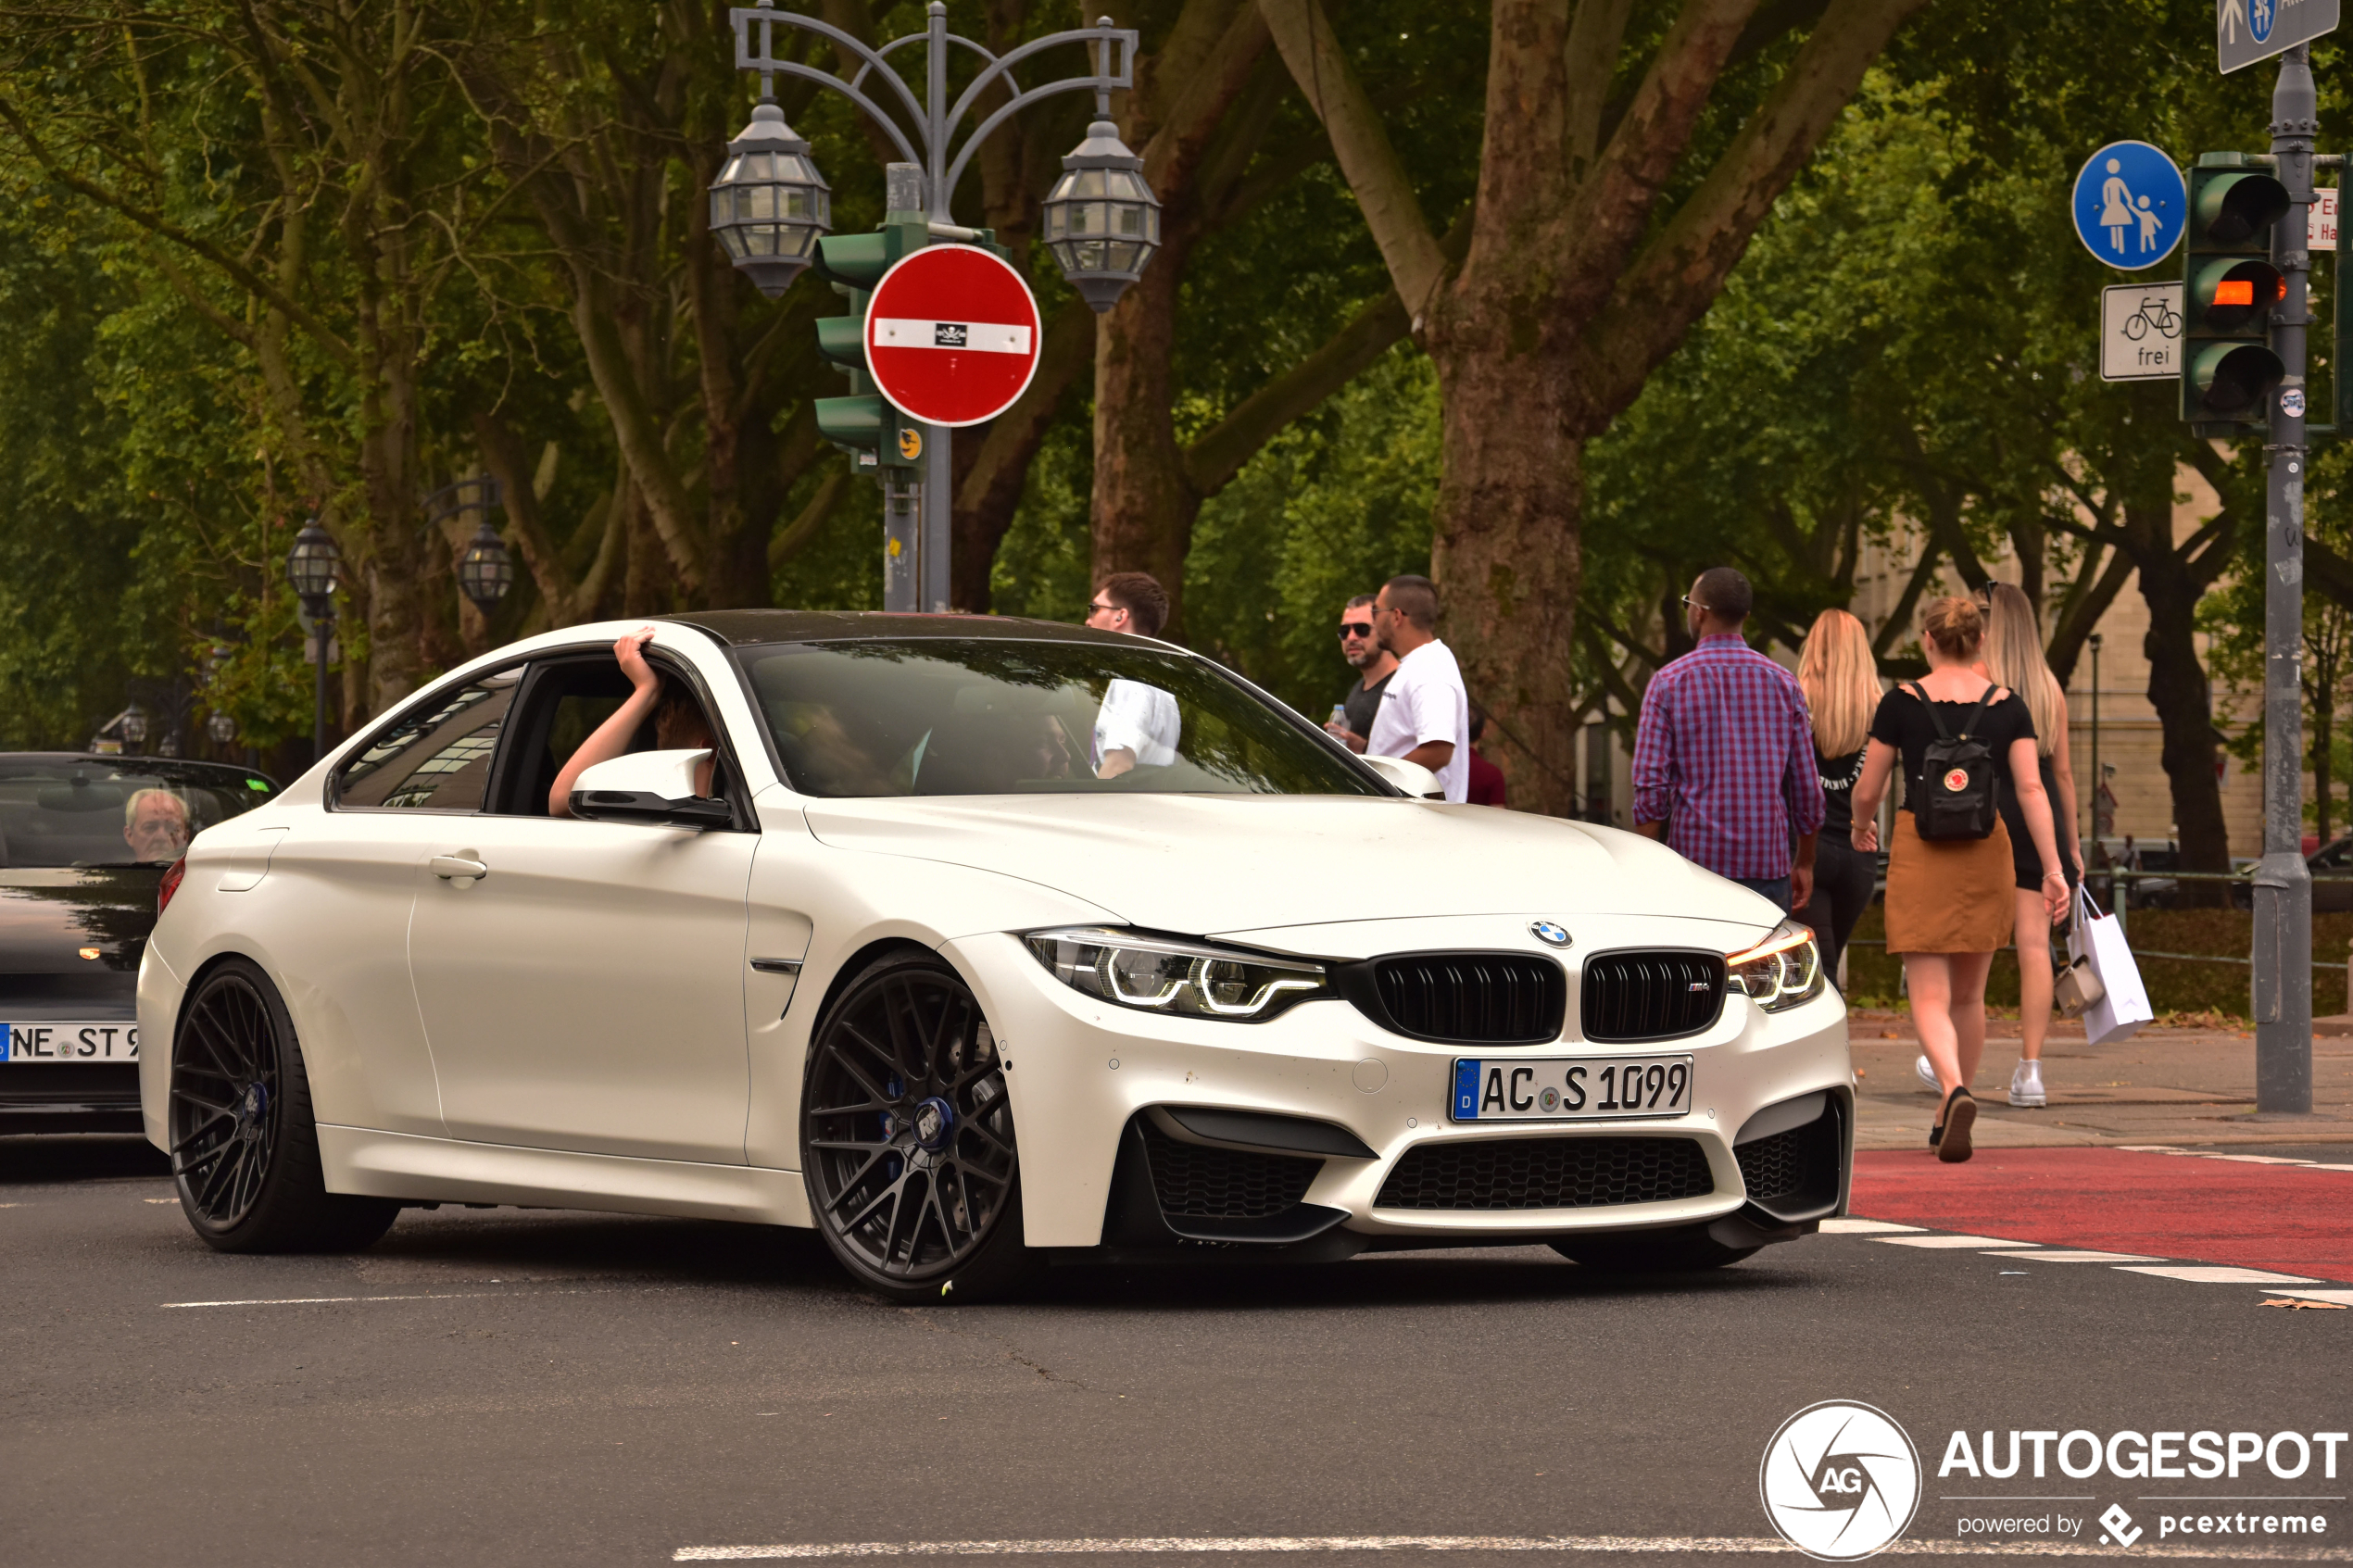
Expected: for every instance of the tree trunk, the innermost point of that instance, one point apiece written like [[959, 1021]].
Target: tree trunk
[[2184, 702], [1144, 505], [1505, 547]]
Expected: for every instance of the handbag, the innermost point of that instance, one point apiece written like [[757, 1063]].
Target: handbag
[[2076, 988], [2096, 944], [1956, 797]]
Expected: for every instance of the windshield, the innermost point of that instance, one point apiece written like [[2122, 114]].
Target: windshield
[[109, 811], [1017, 717]]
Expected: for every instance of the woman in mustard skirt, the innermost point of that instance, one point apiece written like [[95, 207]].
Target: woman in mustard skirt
[[1951, 902]]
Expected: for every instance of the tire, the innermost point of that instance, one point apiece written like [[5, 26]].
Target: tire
[[1688, 1250], [244, 1149], [907, 1138]]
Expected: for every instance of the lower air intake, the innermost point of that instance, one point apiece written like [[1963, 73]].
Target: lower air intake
[[1195, 1181], [1546, 1174]]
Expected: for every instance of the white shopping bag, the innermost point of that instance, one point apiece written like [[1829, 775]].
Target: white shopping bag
[[2099, 939]]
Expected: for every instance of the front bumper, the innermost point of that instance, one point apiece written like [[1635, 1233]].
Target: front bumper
[[1081, 1070]]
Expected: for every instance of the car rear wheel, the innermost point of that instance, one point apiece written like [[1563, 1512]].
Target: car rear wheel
[[907, 1138], [1676, 1251], [245, 1149]]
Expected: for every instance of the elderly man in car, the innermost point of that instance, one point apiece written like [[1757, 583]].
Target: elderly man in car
[[155, 823]]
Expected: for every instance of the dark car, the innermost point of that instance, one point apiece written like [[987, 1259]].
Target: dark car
[[2332, 869], [84, 841]]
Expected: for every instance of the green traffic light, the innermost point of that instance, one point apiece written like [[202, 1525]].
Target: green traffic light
[[2234, 379]]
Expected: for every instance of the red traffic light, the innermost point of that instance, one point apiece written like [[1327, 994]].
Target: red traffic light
[[2235, 291]]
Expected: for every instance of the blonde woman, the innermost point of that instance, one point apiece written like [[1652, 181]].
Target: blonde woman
[[1841, 681], [2014, 658], [1950, 901]]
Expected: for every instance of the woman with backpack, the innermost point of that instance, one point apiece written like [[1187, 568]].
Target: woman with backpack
[[1951, 901]]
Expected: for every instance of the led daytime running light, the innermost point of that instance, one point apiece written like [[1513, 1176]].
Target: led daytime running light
[[1170, 975]]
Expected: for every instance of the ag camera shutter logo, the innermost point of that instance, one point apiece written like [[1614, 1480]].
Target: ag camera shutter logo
[[1840, 1481]]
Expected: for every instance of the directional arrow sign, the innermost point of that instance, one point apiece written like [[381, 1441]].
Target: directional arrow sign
[[2248, 30], [952, 335]]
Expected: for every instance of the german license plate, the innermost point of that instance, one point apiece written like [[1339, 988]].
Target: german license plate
[[1570, 1088], [118, 1041]]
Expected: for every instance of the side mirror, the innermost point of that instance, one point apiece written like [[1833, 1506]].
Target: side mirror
[[1411, 777], [652, 788]]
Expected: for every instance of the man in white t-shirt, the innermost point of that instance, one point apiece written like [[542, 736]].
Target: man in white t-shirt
[[1425, 713], [1139, 725]]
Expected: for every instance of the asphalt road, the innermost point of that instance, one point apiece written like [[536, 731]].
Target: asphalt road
[[507, 1386]]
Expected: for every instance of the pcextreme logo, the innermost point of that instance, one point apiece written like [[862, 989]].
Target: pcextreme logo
[[1840, 1480]]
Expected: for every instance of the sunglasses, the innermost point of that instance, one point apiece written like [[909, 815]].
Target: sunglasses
[[1105, 608], [1355, 628]]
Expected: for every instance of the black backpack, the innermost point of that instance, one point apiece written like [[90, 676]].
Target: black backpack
[[1956, 796]]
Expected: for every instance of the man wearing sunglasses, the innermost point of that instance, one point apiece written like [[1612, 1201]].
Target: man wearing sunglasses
[[1374, 663]]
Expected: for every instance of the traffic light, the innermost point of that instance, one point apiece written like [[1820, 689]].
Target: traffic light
[[876, 436], [2229, 291]]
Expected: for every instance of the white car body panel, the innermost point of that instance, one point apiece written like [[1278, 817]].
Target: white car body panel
[[583, 1028]]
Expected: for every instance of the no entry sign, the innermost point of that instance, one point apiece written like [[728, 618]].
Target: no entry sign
[[951, 336]]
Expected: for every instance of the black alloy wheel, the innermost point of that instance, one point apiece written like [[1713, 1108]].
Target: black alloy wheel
[[907, 1138], [245, 1149]]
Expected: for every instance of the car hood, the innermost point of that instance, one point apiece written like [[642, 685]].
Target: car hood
[[50, 915], [1203, 865]]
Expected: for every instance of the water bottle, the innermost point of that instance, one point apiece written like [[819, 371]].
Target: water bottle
[[1338, 721]]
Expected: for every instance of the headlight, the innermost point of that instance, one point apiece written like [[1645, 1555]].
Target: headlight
[[1165, 975], [1781, 971]]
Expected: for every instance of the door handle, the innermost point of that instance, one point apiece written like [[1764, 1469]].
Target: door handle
[[455, 867]]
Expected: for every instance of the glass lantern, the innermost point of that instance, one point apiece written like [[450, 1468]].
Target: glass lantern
[[133, 726], [310, 566], [221, 728], [1102, 222], [770, 203], [486, 571]]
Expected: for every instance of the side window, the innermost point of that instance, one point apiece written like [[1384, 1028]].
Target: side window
[[436, 760], [568, 698]]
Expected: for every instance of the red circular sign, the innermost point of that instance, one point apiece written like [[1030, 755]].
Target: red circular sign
[[951, 336]]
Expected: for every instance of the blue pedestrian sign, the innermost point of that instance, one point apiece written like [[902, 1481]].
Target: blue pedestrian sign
[[2131, 205]]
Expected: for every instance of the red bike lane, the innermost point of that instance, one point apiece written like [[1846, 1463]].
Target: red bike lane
[[2293, 1218]]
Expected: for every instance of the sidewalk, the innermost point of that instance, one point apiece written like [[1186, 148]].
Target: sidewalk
[[2162, 1085]]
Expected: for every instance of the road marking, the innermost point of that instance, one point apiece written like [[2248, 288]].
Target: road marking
[[2214, 1273], [327, 1300], [2078, 1255], [2334, 1297], [1106, 1546], [1862, 1227], [1954, 1241]]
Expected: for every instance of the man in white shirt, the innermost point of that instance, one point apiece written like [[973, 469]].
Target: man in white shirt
[[1139, 725], [1425, 713]]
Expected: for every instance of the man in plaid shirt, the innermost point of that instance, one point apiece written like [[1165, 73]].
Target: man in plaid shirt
[[1724, 757]]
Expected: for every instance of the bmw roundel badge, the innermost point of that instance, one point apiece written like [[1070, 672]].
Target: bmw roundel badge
[[1547, 931]]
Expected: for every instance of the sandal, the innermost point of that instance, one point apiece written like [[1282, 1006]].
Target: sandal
[[1950, 1136]]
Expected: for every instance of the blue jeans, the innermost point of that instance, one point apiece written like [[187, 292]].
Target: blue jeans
[[1775, 887]]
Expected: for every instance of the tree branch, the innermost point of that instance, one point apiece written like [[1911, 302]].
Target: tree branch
[[1408, 246]]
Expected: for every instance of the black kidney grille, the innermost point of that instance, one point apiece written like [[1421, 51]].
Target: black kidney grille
[[1546, 1174], [1474, 998], [1651, 996], [1201, 1183]]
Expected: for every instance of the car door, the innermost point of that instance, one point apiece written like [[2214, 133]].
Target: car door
[[584, 991]]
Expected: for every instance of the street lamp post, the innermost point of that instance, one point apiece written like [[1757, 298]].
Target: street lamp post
[[311, 566], [770, 204], [2099, 780], [486, 569]]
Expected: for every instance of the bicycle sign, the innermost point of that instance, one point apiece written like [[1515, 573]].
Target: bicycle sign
[[2140, 332]]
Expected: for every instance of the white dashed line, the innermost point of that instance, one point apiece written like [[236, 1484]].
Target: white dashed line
[[2334, 1297], [2078, 1255], [1862, 1227], [330, 1300], [2213, 1274], [1953, 1241], [1102, 1546]]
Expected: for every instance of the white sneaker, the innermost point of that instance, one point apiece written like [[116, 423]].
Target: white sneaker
[[2026, 1085], [1929, 1080]]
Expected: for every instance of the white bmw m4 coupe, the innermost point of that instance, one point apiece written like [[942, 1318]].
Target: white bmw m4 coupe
[[975, 944]]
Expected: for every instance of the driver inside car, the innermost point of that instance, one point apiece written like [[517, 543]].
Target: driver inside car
[[155, 823], [679, 724]]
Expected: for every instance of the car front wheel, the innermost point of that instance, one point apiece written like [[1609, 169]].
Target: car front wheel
[[907, 1138], [244, 1149]]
